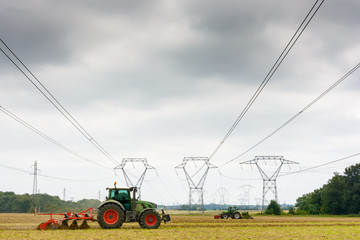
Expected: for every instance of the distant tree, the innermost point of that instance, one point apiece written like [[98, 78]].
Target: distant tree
[[12, 203], [352, 178], [273, 208], [292, 211], [341, 195], [310, 203], [333, 198]]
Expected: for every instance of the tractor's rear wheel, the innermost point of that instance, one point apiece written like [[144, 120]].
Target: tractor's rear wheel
[[110, 216], [237, 215], [150, 219]]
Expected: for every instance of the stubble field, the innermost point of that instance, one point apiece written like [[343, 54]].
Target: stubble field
[[23, 226]]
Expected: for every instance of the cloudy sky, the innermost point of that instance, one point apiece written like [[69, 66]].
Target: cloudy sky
[[164, 80]]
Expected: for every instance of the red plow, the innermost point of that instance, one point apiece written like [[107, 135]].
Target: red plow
[[63, 223]]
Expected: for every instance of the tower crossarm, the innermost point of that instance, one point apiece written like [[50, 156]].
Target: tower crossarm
[[139, 180]]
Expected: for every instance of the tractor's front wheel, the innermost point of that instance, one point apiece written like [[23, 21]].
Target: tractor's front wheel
[[150, 219], [224, 216], [111, 216]]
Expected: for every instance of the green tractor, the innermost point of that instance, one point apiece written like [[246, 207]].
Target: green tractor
[[233, 213], [120, 207]]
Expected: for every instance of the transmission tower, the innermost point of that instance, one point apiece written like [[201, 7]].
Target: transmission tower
[[258, 201], [246, 189], [242, 201], [223, 193], [139, 180], [196, 181], [35, 191], [269, 178]]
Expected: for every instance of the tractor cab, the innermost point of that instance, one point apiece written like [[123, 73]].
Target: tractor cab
[[122, 196], [232, 209]]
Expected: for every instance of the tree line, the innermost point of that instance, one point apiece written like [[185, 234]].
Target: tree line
[[341, 195], [13, 203]]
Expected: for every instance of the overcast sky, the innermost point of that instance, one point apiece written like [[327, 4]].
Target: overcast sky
[[164, 80]]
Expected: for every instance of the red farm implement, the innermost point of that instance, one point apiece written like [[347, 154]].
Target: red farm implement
[[63, 223]]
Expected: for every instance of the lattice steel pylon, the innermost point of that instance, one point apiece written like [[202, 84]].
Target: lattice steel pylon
[[269, 181], [246, 189], [140, 180], [196, 186], [222, 193], [35, 189]]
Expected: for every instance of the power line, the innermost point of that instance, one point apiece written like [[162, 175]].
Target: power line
[[276, 65], [53, 177], [46, 93], [302, 170], [321, 165], [297, 114], [16, 118], [166, 189]]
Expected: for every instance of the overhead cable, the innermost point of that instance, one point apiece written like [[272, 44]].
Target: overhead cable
[[46, 93], [53, 177], [321, 165], [298, 114], [276, 65], [16, 118], [304, 169]]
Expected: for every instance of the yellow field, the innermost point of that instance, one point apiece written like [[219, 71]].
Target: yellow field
[[23, 226]]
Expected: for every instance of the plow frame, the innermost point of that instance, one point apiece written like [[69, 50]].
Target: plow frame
[[54, 223]]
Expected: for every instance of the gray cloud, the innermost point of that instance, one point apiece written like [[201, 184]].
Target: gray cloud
[[165, 80]]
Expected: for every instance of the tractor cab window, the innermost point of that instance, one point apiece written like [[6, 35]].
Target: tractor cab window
[[121, 195]]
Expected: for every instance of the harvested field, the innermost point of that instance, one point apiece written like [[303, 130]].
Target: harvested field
[[22, 226]]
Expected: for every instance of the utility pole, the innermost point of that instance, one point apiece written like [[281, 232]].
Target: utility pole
[[35, 190], [99, 195], [269, 181], [64, 194]]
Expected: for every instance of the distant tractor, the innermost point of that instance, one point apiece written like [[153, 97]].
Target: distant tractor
[[234, 213], [120, 207]]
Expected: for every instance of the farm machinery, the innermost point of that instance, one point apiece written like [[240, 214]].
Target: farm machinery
[[119, 207], [63, 222], [234, 213]]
